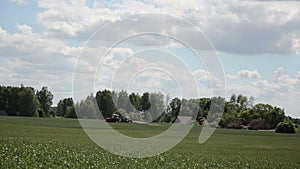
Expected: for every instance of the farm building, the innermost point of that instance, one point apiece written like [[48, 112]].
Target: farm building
[[237, 123], [203, 121], [259, 124], [183, 119]]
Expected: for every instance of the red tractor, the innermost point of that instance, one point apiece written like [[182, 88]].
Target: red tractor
[[118, 118]]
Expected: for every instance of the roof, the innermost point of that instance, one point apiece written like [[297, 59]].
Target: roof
[[257, 124], [234, 125], [237, 123], [183, 119]]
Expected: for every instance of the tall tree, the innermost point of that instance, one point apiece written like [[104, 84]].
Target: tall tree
[[233, 99], [135, 100], [70, 112], [27, 103], [86, 108], [123, 102], [45, 98], [145, 102], [105, 103], [157, 105], [175, 106], [122, 99], [204, 106], [63, 105]]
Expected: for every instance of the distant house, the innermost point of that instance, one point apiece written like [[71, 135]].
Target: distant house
[[237, 123], [183, 119], [259, 124], [203, 121]]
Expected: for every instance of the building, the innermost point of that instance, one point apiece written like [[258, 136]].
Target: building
[[237, 123], [258, 124]]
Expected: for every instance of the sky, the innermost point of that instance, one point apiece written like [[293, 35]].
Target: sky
[[184, 48]]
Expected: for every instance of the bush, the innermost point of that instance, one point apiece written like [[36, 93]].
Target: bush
[[285, 127]]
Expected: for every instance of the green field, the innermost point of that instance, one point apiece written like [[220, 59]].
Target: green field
[[61, 143]]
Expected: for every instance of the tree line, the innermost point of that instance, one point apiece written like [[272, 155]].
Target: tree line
[[150, 107], [25, 101]]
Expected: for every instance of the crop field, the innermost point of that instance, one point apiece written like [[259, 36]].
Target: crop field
[[61, 143]]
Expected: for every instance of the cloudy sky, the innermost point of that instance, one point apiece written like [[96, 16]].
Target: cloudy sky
[[49, 43]]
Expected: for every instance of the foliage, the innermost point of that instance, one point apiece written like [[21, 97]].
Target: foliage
[[23, 101], [105, 103], [226, 118], [45, 98], [144, 102], [87, 108], [123, 102], [285, 127], [63, 105], [70, 112], [27, 102], [154, 106], [135, 101], [243, 107], [157, 105]]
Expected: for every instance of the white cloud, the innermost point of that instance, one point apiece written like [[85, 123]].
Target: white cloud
[[32, 45], [70, 18], [2, 35], [244, 27], [295, 46], [21, 2], [249, 74], [24, 29], [36, 60], [206, 78], [284, 80], [229, 76], [267, 86]]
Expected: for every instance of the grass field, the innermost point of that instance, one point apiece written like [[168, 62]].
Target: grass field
[[61, 143]]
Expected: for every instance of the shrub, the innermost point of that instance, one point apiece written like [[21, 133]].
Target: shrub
[[285, 127]]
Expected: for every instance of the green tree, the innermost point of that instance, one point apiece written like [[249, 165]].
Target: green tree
[[274, 116], [226, 118], [246, 114], [135, 100], [63, 105], [45, 98], [242, 102], [175, 107], [122, 99], [216, 110], [86, 108], [204, 106], [285, 127], [233, 99], [105, 103], [157, 105], [12, 100], [145, 102], [70, 112], [27, 103]]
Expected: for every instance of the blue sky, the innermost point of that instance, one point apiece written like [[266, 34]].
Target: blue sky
[[257, 43]]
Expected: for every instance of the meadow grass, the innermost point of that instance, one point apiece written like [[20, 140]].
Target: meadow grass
[[61, 143]]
